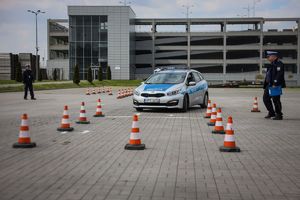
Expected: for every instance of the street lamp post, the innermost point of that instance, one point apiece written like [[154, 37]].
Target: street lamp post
[[36, 42]]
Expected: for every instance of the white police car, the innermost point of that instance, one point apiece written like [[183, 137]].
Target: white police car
[[179, 88]]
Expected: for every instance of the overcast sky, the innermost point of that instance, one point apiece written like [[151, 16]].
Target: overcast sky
[[17, 26]]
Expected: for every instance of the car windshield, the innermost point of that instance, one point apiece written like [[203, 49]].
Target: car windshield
[[166, 78]]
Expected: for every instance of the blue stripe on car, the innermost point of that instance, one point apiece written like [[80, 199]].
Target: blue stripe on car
[[157, 87]]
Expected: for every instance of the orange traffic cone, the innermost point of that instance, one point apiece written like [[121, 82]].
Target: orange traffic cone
[[110, 92], [65, 125], [119, 94], [24, 138], [229, 142], [87, 91], [213, 116], [94, 91], [219, 128], [99, 109], [255, 106], [208, 110], [135, 137], [82, 118]]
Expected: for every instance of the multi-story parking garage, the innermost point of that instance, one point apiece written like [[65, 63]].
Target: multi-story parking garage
[[223, 49]]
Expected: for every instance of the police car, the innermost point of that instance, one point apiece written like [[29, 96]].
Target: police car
[[176, 88]]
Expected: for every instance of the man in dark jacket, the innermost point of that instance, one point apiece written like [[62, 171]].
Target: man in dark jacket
[[27, 80], [274, 77]]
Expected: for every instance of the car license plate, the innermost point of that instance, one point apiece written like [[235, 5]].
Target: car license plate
[[151, 100]]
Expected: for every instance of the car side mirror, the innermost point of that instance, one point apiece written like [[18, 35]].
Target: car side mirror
[[192, 83]]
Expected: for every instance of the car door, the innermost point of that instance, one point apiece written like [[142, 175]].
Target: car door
[[191, 89], [198, 92]]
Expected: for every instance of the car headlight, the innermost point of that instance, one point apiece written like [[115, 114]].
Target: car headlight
[[174, 92], [137, 93]]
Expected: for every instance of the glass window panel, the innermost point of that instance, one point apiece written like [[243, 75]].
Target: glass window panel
[[79, 33], [79, 20], [95, 49], [95, 20], [72, 49], [95, 61], [87, 33], [95, 33], [103, 36], [87, 62], [103, 53], [87, 21], [87, 49], [79, 49], [72, 33], [103, 18]]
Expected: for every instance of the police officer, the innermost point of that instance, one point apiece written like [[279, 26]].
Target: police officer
[[274, 77], [27, 80]]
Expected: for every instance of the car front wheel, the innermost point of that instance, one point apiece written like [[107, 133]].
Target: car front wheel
[[185, 104], [205, 101]]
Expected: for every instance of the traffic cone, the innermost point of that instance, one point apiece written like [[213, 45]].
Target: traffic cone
[[135, 137], [99, 109], [208, 110], [110, 92], [219, 128], [255, 106], [103, 90], [94, 91], [82, 118], [229, 142], [24, 138], [213, 116], [98, 90], [119, 94], [87, 91], [65, 125]]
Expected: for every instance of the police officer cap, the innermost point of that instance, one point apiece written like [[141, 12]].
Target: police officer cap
[[270, 53]]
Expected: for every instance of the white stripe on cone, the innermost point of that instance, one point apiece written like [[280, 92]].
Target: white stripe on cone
[[82, 115], [229, 138], [135, 124], [135, 136], [229, 126], [24, 123], [64, 121], [24, 134]]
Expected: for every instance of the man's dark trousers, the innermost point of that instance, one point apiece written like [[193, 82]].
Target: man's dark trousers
[[269, 105], [30, 88]]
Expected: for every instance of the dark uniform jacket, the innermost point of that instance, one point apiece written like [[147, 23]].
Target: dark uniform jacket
[[27, 77], [275, 75]]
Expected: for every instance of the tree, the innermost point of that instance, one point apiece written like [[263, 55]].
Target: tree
[[76, 78], [108, 73], [89, 75], [40, 78], [100, 78], [54, 74], [19, 76]]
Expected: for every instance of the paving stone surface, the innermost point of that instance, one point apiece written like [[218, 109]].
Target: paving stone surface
[[181, 161]]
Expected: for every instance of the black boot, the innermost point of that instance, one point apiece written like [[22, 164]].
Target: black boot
[[269, 116], [277, 117]]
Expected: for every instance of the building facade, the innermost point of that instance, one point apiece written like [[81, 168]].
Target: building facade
[[58, 48], [133, 47]]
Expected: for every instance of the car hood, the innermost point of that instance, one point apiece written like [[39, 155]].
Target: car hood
[[158, 87]]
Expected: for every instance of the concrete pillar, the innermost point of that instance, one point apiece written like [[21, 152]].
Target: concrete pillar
[[261, 43], [224, 51], [153, 43], [188, 43]]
